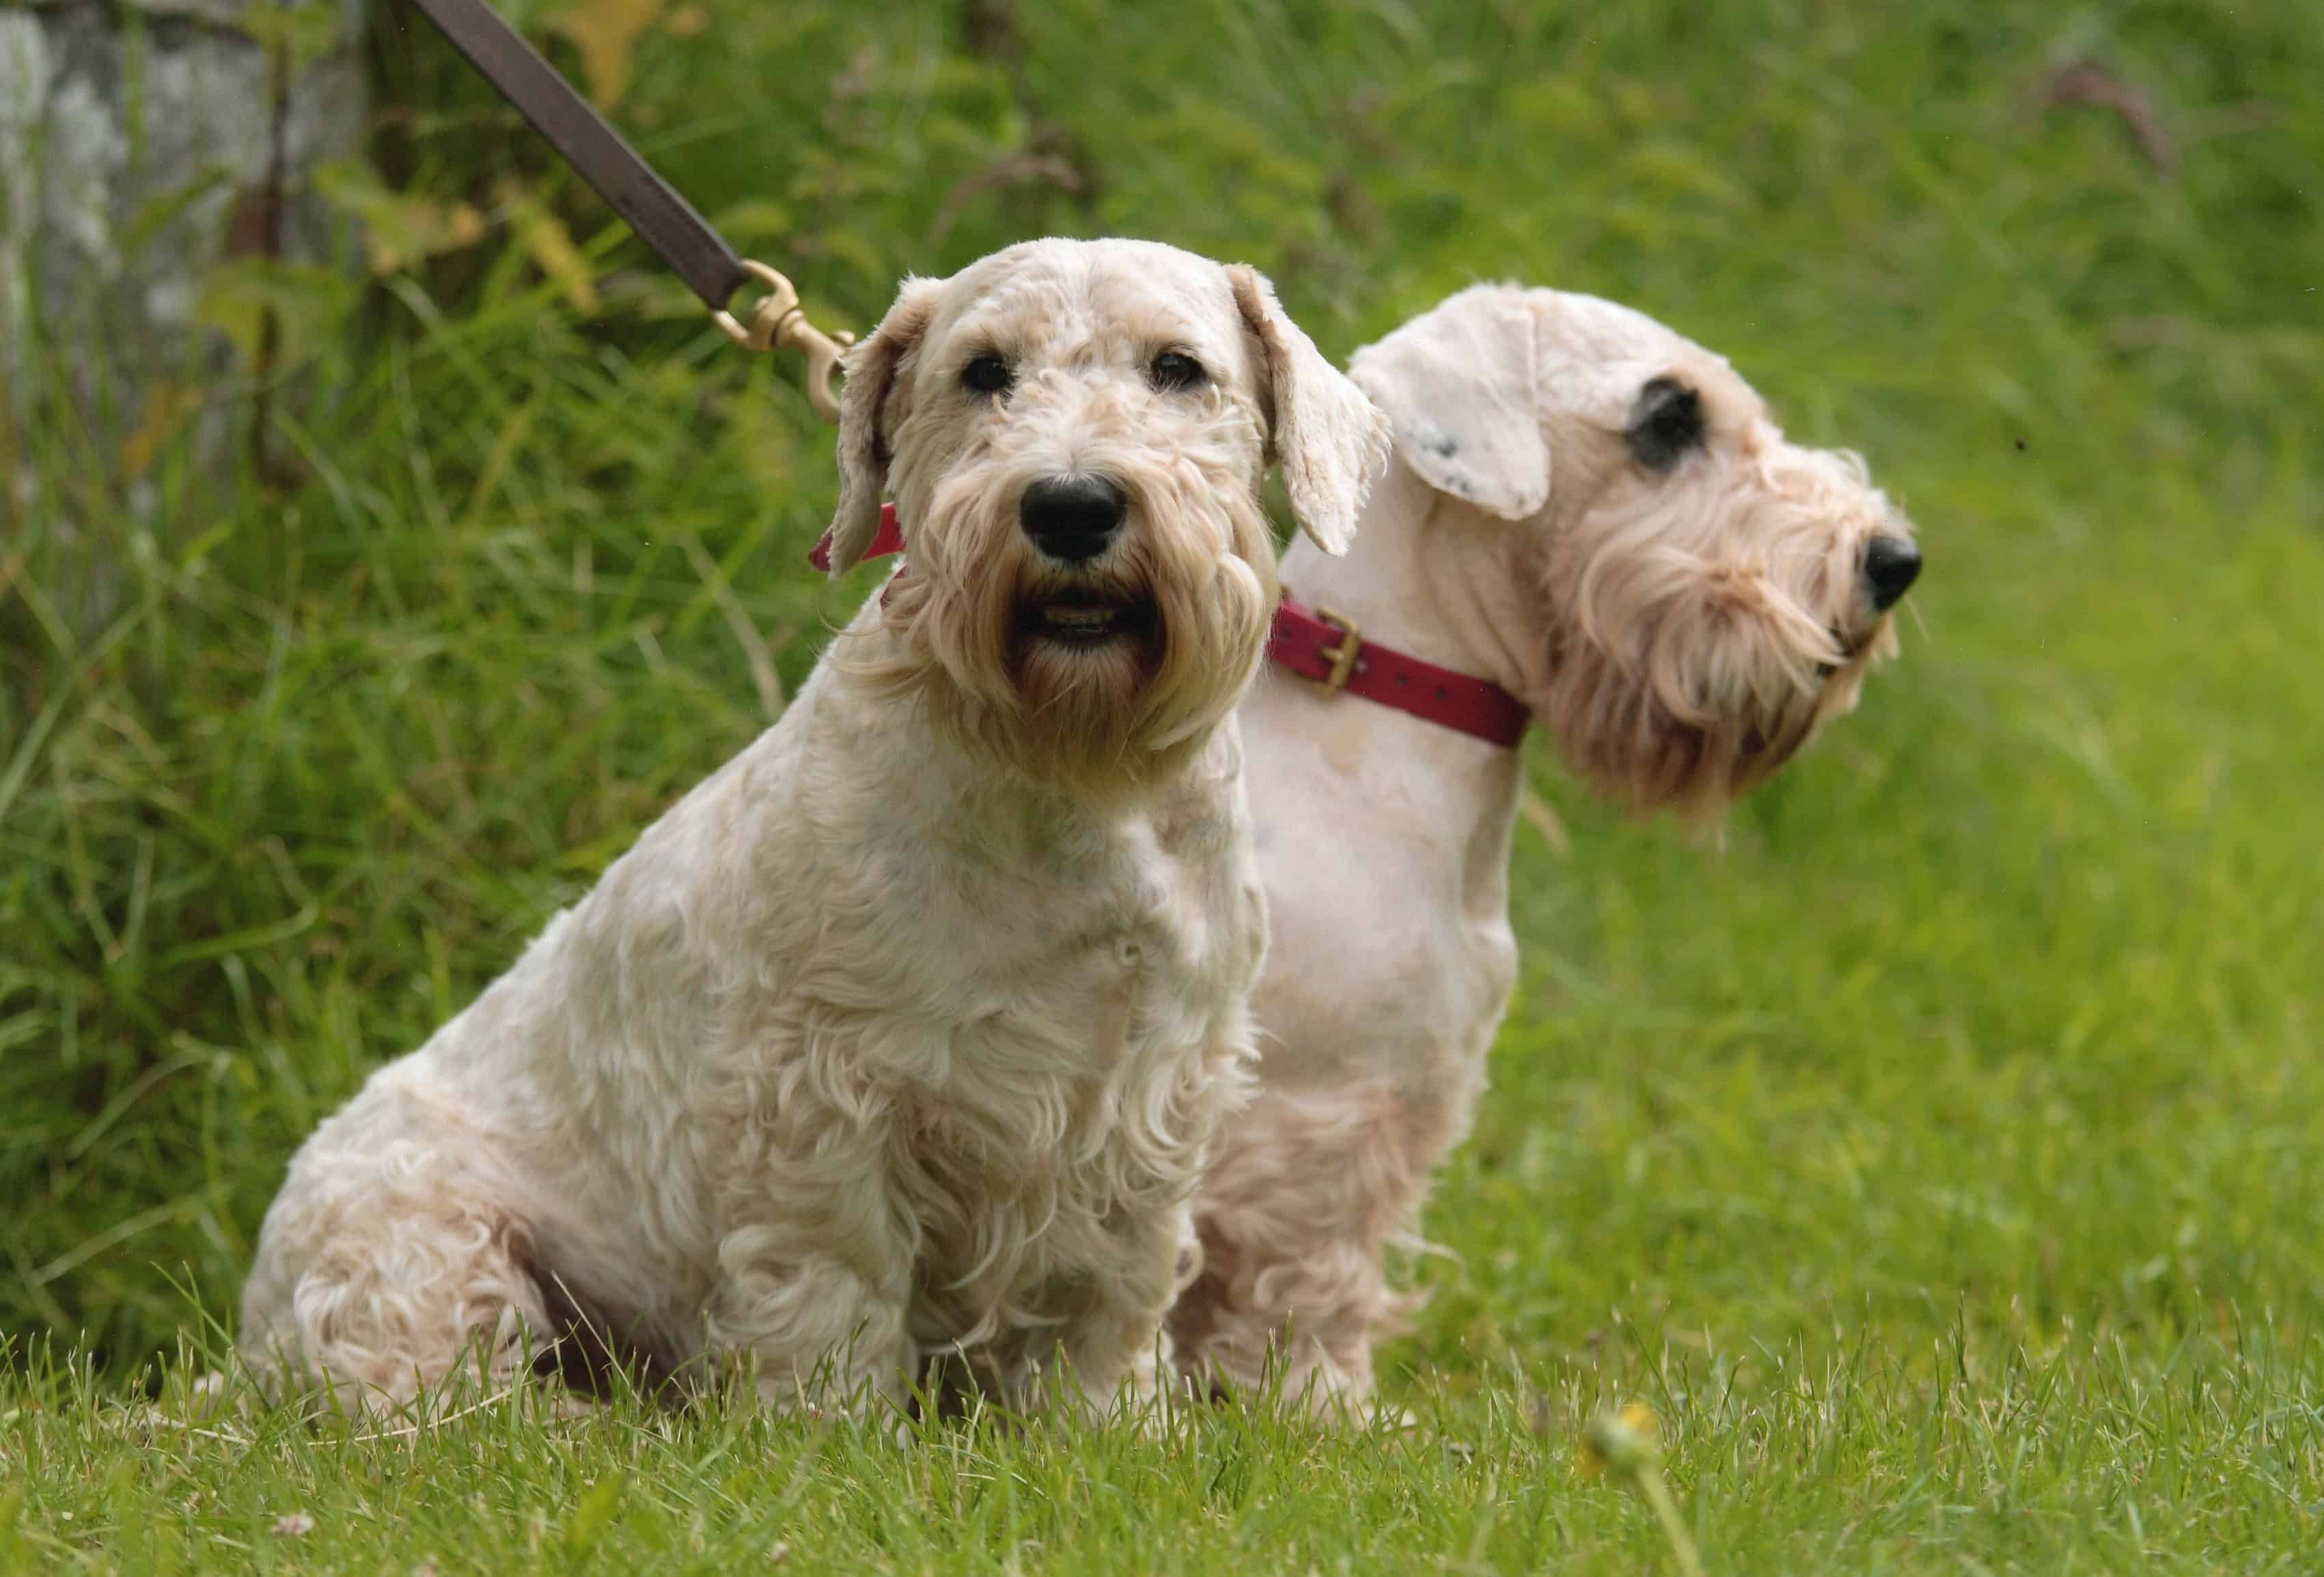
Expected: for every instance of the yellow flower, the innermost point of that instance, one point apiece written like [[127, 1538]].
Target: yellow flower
[[1625, 1441]]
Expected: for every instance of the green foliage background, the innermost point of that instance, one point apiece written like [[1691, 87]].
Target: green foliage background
[[1996, 1016]]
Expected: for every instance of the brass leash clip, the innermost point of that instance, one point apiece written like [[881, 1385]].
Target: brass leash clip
[[778, 321]]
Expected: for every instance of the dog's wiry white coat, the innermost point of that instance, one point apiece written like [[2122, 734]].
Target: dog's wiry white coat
[[906, 1032], [1679, 634]]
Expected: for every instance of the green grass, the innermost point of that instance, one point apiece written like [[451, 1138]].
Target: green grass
[[1956, 1455], [1942, 1157]]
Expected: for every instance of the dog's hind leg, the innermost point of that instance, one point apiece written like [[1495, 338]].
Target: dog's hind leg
[[389, 1263]]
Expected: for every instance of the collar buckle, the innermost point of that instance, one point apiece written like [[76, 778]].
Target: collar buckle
[[1342, 656]]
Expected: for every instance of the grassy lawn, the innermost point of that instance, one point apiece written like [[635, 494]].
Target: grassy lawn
[[1940, 1155]]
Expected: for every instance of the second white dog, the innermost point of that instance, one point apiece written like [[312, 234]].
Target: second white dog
[[1591, 521], [904, 1033]]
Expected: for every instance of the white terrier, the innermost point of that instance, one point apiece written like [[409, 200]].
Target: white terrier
[[1587, 518], [903, 1037]]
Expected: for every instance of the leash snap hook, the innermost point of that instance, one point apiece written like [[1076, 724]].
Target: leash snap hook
[[779, 320]]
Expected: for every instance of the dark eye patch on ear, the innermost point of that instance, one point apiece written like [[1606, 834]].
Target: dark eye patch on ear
[[1665, 424]]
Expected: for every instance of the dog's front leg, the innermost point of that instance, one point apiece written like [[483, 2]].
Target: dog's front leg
[[813, 1296], [813, 1332], [1113, 1355]]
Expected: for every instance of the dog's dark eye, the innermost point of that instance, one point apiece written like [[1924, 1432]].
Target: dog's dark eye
[[987, 374], [1175, 369], [1665, 424]]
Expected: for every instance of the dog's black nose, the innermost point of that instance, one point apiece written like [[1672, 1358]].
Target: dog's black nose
[[1891, 565], [1071, 517]]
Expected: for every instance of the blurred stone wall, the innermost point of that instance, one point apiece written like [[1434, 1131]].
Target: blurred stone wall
[[144, 143]]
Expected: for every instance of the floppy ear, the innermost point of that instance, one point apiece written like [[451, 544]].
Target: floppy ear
[[1460, 383], [1328, 439], [863, 452]]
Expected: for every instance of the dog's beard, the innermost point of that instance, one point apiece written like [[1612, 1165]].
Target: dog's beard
[[1108, 676], [1083, 646], [1670, 729], [1680, 679]]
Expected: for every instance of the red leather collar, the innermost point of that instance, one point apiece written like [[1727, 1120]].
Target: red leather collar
[[889, 540], [1321, 645]]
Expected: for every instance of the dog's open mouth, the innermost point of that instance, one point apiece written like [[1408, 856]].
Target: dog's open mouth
[[1085, 619]]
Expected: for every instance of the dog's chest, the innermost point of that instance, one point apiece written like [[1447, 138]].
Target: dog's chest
[[1089, 933], [1103, 995]]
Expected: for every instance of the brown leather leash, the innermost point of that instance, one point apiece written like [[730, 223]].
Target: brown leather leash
[[666, 221], [1319, 645]]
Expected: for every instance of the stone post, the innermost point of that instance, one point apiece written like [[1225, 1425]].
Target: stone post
[[148, 149]]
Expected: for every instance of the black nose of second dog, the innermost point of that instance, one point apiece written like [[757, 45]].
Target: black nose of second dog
[[1891, 565], [1071, 517]]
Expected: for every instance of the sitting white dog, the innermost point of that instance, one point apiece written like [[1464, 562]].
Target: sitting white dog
[[1589, 522], [905, 1034]]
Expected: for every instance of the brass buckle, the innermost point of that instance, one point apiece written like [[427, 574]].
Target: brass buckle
[[1343, 656]]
